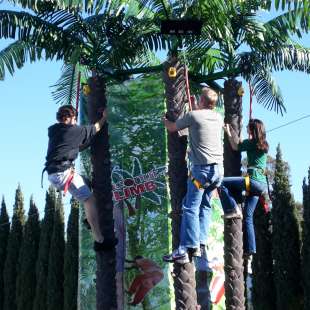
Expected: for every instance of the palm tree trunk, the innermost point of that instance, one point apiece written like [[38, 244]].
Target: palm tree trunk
[[183, 275], [233, 243], [102, 188]]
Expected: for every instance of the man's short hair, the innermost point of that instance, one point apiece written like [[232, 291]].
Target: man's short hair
[[65, 111], [210, 97]]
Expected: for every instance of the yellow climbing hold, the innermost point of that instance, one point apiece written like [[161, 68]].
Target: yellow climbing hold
[[86, 89], [240, 91], [172, 72]]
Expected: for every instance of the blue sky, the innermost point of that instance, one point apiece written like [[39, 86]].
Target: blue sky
[[28, 109]]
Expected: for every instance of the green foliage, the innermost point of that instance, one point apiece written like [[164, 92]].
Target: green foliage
[[55, 277], [13, 248], [26, 279], [113, 39], [306, 241], [285, 241], [47, 225], [71, 263], [118, 34], [4, 236]]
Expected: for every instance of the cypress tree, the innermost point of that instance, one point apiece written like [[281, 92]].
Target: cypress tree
[[285, 241], [71, 268], [55, 278], [47, 225], [306, 242], [13, 248], [26, 280], [4, 236]]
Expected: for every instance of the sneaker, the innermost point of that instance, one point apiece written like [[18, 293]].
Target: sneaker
[[194, 252], [237, 213], [176, 256], [203, 251], [248, 261], [105, 245]]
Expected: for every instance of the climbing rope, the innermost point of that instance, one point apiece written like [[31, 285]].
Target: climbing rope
[[187, 88], [251, 101], [78, 93]]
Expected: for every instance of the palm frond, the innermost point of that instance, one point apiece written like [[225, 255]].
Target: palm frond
[[281, 4], [205, 61], [64, 91], [16, 55], [289, 23], [265, 87], [39, 6], [291, 57], [161, 8]]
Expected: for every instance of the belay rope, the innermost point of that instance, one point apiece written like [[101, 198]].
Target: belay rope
[[187, 88], [78, 89], [251, 101]]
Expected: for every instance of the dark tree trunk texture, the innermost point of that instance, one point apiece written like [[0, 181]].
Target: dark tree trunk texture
[[102, 188], [264, 292], [183, 275], [233, 243]]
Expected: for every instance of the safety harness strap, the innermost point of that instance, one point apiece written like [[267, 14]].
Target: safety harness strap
[[247, 184], [197, 183], [68, 182]]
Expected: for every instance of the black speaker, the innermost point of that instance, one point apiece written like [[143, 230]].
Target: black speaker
[[181, 27]]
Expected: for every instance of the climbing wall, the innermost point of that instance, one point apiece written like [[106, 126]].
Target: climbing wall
[[138, 150]]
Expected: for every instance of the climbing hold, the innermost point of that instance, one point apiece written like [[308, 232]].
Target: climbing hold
[[172, 72], [86, 89], [240, 91]]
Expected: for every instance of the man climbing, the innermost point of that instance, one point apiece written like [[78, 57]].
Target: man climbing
[[66, 139], [206, 156]]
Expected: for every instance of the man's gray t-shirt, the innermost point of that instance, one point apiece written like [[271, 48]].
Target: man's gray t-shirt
[[205, 136]]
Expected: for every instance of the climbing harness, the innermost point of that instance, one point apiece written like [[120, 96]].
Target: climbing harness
[[247, 184], [197, 183], [263, 198], [68, 181]]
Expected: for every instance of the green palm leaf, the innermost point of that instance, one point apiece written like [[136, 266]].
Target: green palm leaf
[[264, 86], [65, 89], [16, 54]]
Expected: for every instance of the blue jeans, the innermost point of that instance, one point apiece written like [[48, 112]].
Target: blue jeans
[[234, 186], [196, 206]]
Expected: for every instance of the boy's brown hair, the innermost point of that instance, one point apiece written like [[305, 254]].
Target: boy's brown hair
[[210, 97], [65, 111]]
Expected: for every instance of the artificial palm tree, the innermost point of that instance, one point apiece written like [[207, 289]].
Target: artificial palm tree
[[103, 38]]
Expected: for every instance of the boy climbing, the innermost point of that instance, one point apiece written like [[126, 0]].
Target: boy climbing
[[66, 139], [206, 155]]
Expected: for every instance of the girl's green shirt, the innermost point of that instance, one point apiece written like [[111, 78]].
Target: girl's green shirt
[[257, 160]]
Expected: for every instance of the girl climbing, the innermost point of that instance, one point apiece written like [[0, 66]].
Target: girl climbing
[[254, 183]]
